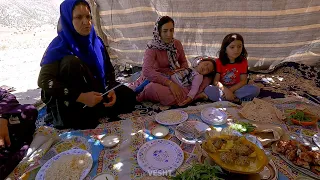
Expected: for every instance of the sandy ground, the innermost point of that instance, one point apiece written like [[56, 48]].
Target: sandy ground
[[20, 56], [26, 29]]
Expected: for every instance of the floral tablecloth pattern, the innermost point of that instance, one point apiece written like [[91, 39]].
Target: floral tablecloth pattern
[[121, 161]]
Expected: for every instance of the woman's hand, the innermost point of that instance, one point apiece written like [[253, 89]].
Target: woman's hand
[[177, 70], [185, 102], [169, 73], [112, 99], [228, 94], [4, 133], [90, 98], [176, 91]]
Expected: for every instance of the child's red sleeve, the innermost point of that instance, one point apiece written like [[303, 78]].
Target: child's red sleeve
[[218, 64], [244, 67]]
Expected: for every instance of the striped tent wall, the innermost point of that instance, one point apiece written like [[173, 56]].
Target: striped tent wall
[[274, 31]]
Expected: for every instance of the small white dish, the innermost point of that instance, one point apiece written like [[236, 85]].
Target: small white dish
[[103, 176], [110, 141], [160, 131]]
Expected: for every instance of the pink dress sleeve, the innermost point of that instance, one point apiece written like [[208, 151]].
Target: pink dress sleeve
[[182, 57], [197, 80], [205, 82], [149, 67]]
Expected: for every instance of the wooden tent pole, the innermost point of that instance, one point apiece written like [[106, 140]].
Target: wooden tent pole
[[96, 21]]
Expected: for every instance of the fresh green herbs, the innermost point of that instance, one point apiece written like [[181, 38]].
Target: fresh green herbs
[[200, 172], [243, 127], [300, 116]]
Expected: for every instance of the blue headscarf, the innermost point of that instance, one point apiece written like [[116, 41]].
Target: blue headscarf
[[90, 49]]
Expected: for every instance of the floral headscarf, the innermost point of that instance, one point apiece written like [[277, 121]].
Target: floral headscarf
[[157, 43]]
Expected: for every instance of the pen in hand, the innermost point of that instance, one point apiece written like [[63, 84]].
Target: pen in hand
[[107, 92]]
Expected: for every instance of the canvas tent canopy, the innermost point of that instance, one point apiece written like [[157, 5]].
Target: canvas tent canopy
[[274, 31]]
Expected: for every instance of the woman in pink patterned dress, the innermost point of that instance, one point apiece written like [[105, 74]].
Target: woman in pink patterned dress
[[163, 56]]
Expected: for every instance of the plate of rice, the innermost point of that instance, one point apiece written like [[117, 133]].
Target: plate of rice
[[171, 117], [72, 164]]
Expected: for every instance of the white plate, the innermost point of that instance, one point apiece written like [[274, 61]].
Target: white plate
[[42, 172], [316, 139], [160, 155], [197, 124], [300, 169], [213, 116], [171, 117]]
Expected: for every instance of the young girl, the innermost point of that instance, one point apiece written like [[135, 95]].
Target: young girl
[[230, 82], [190, 78]]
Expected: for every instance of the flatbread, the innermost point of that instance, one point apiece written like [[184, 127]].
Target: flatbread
[[262, 111]]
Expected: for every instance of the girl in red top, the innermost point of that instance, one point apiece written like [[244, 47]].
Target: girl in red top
[[230, 82]]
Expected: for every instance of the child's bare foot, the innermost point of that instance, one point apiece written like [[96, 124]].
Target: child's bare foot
[[201, 96]]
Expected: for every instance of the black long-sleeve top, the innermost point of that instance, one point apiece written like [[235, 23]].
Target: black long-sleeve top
[[49, 81]]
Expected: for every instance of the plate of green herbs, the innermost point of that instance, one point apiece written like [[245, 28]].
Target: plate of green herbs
[[303, 118], [200, 172], [300, 116], [243, 127]]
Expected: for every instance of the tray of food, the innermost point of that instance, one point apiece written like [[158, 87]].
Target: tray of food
[[303, 118], [236, 154], [299, 156]]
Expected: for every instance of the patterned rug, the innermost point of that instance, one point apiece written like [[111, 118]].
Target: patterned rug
[[145, 108], [289, 79], [135, 131]]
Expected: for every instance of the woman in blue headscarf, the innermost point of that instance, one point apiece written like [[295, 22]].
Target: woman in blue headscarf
[[75, 70]]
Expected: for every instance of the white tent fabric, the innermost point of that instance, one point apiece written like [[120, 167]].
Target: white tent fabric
[[274, 31]]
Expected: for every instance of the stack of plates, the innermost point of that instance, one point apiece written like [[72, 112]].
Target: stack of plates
[[213, 116]]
